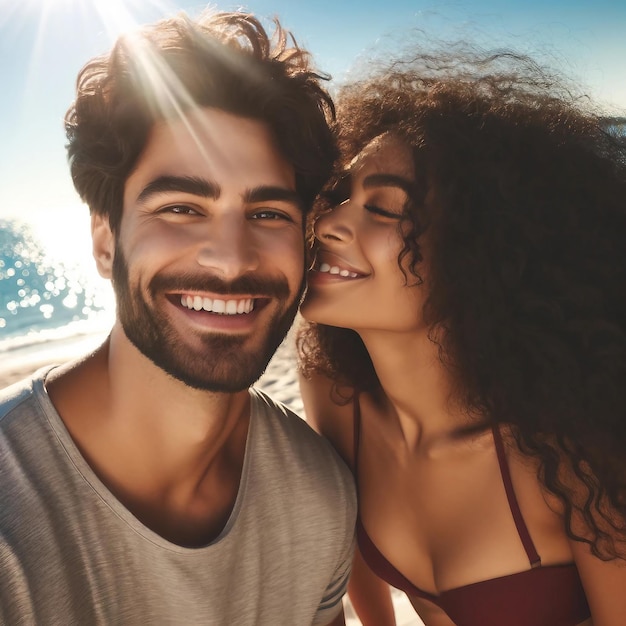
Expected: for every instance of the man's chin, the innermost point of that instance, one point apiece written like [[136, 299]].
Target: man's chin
[[221, 364], [215, 385], [224, 363]]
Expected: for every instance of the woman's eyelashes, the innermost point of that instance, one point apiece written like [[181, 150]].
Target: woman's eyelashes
[[389, 204], [380, 212]]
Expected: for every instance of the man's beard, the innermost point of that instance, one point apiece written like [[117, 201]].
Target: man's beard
[[223, 364]]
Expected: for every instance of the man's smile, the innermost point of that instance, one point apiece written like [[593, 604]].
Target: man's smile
[[232, 306]]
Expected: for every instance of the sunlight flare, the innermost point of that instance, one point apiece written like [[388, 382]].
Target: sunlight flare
[[115, 16]]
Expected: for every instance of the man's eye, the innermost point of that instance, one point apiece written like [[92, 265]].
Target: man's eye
[[269, 214], [179, 209]]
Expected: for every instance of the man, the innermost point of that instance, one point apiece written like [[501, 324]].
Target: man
[[146, 483]]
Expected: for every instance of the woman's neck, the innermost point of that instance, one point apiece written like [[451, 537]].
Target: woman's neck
[[417, 385]]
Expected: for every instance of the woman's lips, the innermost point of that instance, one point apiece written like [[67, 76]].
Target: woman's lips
[[333, 264]]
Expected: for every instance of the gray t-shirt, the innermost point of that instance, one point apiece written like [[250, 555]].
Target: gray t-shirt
[[71, 553]]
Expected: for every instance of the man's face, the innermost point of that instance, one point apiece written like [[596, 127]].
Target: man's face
[[208, 264]]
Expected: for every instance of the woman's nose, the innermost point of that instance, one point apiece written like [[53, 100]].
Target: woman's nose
[[335, 225]]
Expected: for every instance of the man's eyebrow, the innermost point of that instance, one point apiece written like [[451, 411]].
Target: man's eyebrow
[[269, 193], [185, 184], [388, 180]]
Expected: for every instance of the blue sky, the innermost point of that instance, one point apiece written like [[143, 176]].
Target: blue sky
[[43, 44]]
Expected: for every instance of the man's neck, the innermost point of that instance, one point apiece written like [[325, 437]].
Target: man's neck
[[171, 454]]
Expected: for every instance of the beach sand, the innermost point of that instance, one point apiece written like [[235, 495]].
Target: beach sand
[[279, 381]]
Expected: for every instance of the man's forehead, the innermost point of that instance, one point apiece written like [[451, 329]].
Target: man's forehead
[[201, 124], [214, 137]]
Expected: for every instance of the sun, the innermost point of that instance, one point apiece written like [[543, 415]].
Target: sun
[[114, 16], [57, 26]]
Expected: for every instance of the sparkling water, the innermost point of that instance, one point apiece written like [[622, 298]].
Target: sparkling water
[[43, 299]]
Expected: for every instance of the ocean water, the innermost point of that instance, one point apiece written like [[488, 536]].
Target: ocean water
[[45, 299]]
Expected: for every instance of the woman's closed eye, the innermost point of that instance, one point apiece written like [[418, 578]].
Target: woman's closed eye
[[384, 213]]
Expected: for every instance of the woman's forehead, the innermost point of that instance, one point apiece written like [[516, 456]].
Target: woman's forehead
[[385, 153]]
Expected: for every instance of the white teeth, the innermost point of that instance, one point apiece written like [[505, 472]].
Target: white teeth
[[334, 269], [223, 307]]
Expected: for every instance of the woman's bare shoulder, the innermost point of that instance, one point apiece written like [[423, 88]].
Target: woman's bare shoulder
[[329, 410]]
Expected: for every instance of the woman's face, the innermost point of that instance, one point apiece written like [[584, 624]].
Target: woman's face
[[355, 281]]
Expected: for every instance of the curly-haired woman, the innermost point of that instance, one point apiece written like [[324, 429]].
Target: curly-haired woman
[[465, 349]]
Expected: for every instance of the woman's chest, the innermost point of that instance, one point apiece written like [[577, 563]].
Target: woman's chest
[[446, 522]]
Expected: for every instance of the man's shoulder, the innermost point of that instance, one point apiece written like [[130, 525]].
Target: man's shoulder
[[287, 451], [297, 440], [18, 394], [286, 422]]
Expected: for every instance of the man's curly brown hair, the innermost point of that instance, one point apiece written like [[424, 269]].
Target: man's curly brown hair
[[222, 60], [527, 262]]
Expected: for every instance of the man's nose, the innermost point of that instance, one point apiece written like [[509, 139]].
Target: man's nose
[[228, 248]]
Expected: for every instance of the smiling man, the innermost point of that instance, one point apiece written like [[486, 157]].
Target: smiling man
[[149, 483]]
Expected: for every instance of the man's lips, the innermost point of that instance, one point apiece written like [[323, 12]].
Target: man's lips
[[232, 306], [220, 305]]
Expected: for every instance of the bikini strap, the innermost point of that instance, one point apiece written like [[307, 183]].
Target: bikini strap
[[522, 530], [356, 422]]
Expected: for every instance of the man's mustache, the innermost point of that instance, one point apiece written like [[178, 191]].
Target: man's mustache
[[253, 284]]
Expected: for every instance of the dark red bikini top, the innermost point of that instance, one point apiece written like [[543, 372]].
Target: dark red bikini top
[[550, 595]]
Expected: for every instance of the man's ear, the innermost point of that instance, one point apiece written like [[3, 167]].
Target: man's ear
[[103, 244]]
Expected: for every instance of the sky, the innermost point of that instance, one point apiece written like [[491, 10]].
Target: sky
[[44, 43]]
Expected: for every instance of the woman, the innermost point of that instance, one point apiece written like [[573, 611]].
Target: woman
[[465, 350]]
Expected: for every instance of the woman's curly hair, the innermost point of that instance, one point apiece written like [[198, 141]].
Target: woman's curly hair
[[221, 60], [526, 223]]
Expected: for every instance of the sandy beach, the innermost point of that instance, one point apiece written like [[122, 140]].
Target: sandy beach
[[279, 381]]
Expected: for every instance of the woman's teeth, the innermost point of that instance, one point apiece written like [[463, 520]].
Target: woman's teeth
[[214, 305], [334, 269]]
